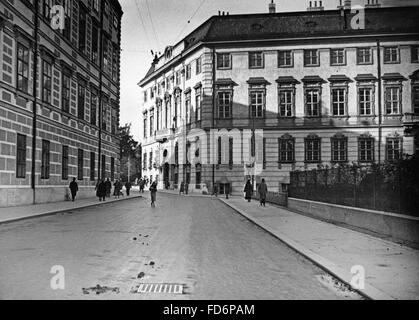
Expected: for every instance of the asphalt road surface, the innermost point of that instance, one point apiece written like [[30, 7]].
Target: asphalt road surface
[[199, 243]]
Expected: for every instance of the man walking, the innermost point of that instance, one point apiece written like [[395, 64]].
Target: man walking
[[263, 190], [248, 189], [128, 187], [153, 192], [142, 183], [108, 188], [74, 187], [101, 190]]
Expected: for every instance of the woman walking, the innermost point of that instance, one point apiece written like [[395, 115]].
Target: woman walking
[[263, 190], [153, 191], [248, 189]]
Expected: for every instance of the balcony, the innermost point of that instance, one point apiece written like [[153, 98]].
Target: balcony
[[163, 135], [410, 118]]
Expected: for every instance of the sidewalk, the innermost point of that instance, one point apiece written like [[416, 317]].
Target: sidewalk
[[11, 214], [391, 270]]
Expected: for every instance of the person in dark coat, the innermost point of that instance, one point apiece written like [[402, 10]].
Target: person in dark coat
[[215, 191], [227, 190], [153, 192], [108, 187], [101, 190], [186, 188], [128, 186], [262, 190], [248, 189], [182, 188], [74, 187], [142, 184], [117, 189]]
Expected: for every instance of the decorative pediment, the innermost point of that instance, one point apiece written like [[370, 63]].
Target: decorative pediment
[[287, 80], [366, 135], [339, 78], [339, 135], [226, 82], [198, 86], [313, 136], [286, 136], [395, 76], [365, 77], [312, 79]]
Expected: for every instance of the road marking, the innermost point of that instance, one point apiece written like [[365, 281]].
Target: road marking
[[160, 288]]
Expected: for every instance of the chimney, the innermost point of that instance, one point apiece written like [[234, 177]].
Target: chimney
[[272, 7], [372, 4], [315, 6]]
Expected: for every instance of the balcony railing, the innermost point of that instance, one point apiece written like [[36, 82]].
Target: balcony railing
[[410, 118]]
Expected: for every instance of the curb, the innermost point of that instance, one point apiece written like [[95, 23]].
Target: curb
[[55, 211], [368, 292]]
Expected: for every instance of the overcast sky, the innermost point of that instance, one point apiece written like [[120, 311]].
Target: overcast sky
[[154, 24]]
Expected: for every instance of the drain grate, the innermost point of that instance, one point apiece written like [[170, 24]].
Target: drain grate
[[160, 288]]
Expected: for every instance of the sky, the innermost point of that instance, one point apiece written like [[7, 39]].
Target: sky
[[154, 24]]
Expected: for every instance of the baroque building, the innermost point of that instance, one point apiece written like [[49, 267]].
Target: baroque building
[[64, 58], [313, 88]]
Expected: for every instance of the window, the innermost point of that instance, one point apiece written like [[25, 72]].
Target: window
[[312, 150], [285, 58], [82, 31], [223, 61], [145, 125], [64, 164], [81, 101], [337, 57], [151, 123], [224, 105], [230, 151], [339, 149], [95, 42], [415, 101], [145, 161], [92, 166], [22, 68], [21, 157], [257, 104], [338, 102], [415, 54], [366, 149], [145, 95], [256, 60], [364, 56], [219, 150], [96, 5], [365, 98], [188, 71], [46, 8], [392, 100], [114, 123], [67, 19], [188, 107], [80, 163], [393, 149], [286, 150], [106, 56], [178, 78], [115, 21], [311, 58], [115, 65], [94, 102], [312, 97], [65, 92], [198, 65], [198, 102], [106, 9], [391, 55], [112, 169], [103, 175], [46, 81], [45, 164], [105, 116], [286, 103]]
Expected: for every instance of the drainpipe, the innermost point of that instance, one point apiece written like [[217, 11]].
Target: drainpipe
[[100, 48], [34, 106], [214, 100], [379, 100]]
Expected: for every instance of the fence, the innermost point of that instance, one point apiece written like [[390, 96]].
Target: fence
[[389, 187]]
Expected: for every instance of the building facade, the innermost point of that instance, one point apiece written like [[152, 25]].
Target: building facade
[[303, 89], [72, 132]]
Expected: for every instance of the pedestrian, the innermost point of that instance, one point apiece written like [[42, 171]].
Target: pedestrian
[[128, 186], [227, 190], [108, 188], [248, 189], [117, 189], [153, 191], [142, 183], [182, 188], [186, 188], [74, 187], [101, 190], [263, 190], [215, 191]]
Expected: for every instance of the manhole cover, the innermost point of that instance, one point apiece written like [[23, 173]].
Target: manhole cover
[[160, 288]]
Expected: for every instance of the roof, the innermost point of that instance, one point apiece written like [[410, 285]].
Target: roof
[[303, 24]]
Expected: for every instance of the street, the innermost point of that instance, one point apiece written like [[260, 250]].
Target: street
[[197, 242]]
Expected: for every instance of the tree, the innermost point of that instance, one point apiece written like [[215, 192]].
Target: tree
[[130, 155]]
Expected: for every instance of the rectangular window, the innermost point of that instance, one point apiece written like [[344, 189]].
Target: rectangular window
[[21, 156], [67, 19], [188, 71], [81, 97], [256, 60], [198, 111], [145, 125], [94, 102], [115, 65], [230, 151], [414, 54], [46, 9], [393, 149], [188, 108], [151, 123], [198, 65], [338, 102], [224, 105], [150, 160], [312, 97], [392, 100], [219, 150], [286, 150], [45, 163], [257, 104], [223, 61], [103, 166], [46, 81], [286, 103], [415, 101], [80, 164], [64, 163], [339, 149], [178, 78], [96, 5], [312, 150], [365, 101], [285, 58], [105, 116], [106, 56], [311, 58], [264, 153], [95, 42], [112, 169], [337, 57], [366, 149], [364, 56], [391, 55], [22, 68], [82, 31], [65, 92], [92, 166]]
